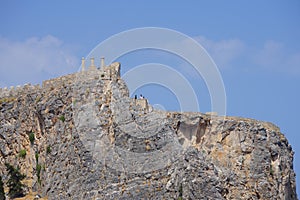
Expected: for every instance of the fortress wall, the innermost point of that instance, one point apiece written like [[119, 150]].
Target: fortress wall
[[18, 90], [92, 73], [59, 82]]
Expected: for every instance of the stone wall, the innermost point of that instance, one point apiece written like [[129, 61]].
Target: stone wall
[[18, 90], [110, 72]]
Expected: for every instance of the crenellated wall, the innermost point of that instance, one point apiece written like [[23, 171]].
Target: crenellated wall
[[18, 90], [105, 73]]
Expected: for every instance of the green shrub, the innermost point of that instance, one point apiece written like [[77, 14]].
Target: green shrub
[[7, 100], [14, 182], [31, 138], [48, 150], [38, 98], [37, 157], [22, 153], [38, 167], [2, 193], [38, 172], [62, 118], [180, 192]]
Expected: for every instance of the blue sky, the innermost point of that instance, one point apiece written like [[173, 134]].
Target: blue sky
[[255, 45]]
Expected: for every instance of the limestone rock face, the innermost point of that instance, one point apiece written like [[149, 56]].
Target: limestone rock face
[[94, 142]]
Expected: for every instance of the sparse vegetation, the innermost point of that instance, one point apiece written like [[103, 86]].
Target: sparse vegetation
[[37, 157], [7, 99], [48, 150], [2, 193], [87, 92], [22, 153], [38, 172], [74, 102], [180, 192], [38, 98], [31, 138], [14, 182], [38, 168], [62, 118]]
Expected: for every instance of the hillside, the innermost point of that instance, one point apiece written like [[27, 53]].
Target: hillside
[[92, 141]]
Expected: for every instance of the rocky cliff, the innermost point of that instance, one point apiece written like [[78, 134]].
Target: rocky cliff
[[86, 139]]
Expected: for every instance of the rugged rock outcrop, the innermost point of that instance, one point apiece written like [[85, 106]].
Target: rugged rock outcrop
[[94, 142]]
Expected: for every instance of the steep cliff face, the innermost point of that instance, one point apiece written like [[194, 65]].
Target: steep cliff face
[[94, 142]]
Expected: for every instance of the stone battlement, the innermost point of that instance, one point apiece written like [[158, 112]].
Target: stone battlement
[[142, 105], [105, 73], [18, 90]]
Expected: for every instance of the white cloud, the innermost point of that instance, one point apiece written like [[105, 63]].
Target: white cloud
[[276, 57], [294, 63], [34, 60], [223, 52], [272, 56]]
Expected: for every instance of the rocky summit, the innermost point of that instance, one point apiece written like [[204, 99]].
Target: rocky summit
[[81, 136]]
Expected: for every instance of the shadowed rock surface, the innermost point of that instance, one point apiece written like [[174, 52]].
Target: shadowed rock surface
[[94, 142]]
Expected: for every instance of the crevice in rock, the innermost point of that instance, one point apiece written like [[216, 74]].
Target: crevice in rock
[[203, 123]]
